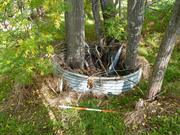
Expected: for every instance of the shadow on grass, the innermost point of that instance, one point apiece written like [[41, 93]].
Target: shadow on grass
[[31, 117]]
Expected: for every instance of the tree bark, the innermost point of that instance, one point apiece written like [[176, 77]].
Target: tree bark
[[97, 19], [120, 3], [75, 35], [165, 51], [135, 21]]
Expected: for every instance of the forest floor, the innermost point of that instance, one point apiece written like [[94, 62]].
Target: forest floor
[[23, 111]]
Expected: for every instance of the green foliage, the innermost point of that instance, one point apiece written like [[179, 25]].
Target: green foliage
[[149, 46], [21, 62], [142, 51], [116, 28], [157, 16], [36, 3], [26, 43], [88, 8], [173, 70]]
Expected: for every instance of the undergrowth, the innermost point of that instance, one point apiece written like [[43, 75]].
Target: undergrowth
[[30, 118]]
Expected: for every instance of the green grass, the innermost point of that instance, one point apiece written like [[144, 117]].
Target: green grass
[[11, 125], [5, 88], [30, 119], [102, 123], [164, 125]]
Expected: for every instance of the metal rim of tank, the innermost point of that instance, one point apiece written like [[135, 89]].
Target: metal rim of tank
[[107, 85]]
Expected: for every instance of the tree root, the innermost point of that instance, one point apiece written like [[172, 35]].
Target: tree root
[[143, 110]]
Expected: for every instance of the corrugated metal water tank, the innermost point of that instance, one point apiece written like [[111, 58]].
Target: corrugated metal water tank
[[106, 85]]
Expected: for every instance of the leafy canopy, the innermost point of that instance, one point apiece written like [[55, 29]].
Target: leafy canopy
[[28, 29]]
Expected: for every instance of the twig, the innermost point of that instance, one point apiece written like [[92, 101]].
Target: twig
[[49, 85], [60, 84], [98, 56], [157, 95], [88, 50], [91, 64]]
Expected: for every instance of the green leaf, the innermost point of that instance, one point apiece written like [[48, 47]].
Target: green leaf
[[36, 3]]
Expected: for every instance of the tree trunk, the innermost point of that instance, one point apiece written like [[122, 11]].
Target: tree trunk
[[97, 19], [120, 3], [165, 51], [75, 35], [135, 21]]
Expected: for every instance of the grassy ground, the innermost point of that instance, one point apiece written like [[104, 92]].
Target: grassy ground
[[32, 116], [24, 116]]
